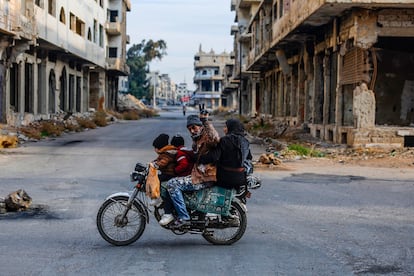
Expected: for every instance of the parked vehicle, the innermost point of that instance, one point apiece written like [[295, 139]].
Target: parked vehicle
[[218, 214]]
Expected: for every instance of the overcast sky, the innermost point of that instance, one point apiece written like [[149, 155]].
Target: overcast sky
[[183, 25]]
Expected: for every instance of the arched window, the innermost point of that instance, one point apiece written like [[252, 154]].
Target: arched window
[[62, 17], [89, 34]]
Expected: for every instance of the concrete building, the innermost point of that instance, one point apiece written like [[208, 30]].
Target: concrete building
[[182, 93], [163, 87], [60, 56], [209, 74], [341, 69]]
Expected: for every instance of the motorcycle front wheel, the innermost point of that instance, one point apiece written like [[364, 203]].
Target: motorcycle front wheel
[[115, 229], [231, 234]]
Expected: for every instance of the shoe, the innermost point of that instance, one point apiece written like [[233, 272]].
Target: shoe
[[155, 202], [166, 219], [178, 223], [253, 181]]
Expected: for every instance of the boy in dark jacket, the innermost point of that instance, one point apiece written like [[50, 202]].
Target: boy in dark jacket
[[165, 161], [183, 167]]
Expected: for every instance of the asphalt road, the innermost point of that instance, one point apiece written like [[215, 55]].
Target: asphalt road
[[311, 220]]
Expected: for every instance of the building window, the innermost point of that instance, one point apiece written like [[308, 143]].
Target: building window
[[204, 72], [62, 17], [205, 85], [95, 30], [216, 72], [51, 8], [281, 8], [39, 3], [216, 86], [112, 52], [80, 27], [112, 15], [101, 35], [72, 22], [89, 34]]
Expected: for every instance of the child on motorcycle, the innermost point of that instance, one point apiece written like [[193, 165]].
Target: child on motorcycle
[[165, 161], [184, 165]]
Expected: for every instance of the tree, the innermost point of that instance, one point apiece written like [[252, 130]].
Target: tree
[[138, 58]]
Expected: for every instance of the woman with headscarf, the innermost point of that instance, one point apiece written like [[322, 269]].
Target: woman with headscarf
[[230, 156]]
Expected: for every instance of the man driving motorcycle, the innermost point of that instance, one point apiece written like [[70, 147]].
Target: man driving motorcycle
[[203, 175]]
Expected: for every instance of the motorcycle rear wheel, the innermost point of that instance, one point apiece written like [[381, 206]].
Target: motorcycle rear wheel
[[229, 235], [118, 232]]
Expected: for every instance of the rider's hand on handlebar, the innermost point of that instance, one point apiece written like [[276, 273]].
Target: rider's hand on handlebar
[[153, 164]]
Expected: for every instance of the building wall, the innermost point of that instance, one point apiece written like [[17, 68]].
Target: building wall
[[56, 57], [338, 69]]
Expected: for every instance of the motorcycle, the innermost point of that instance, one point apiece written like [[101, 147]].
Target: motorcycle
[[218, 214]]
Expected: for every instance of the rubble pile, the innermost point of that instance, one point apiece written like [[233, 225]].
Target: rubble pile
[[8, 141], [276, 137], [16, 201], [391, 158], [128, 102], [8, 137]]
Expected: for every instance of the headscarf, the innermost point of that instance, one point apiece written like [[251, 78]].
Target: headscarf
[[234, 126]]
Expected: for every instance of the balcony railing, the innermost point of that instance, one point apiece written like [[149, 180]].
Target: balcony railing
[[113, 28], [114, 64]]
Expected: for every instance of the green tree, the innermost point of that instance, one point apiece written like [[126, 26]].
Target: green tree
[[138, 58]]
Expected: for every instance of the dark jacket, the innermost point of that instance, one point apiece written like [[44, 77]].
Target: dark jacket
[[227, 155]]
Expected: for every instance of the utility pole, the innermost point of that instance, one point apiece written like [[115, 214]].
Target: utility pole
[[154, 98], [240, 74]]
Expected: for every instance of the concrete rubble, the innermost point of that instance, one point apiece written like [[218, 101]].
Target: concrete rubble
[[15, 201]]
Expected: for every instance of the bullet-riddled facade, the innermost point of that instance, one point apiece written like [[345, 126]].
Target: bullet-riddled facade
[[60, 56], [341, 69]]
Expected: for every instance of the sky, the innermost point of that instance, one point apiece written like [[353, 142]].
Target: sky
[[183, 25]]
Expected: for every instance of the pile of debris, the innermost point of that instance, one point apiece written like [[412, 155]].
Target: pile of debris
[[8, 141], [128, 102], [15, 202], [277, 138]]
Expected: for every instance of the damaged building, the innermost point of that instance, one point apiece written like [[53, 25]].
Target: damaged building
[[209, 78], [340, 69], [60, 57]]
